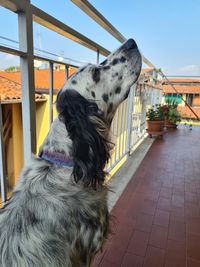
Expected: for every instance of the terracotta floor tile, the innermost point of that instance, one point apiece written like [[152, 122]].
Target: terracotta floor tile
[[164, 204], [154, 257], [139, 236], [193, 247], [158, 237], [177, 200], [192, 211], [114, 255], [131, 260], [176, 231], [106, 263], [192, 263], [158, 214], [177, 214], [177, 246], [191, 198], [144, 222], [166, 192], [161, 218], [193, 226], [174, 259], [138, 243]]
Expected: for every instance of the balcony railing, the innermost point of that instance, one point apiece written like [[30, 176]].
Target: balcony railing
[[129, 123]]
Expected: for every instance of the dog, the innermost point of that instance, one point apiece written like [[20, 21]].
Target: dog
[[57, 215]]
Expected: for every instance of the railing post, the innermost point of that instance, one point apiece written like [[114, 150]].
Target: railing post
[[51, 93], [130, 111], [66, 72], [97, 56], [2, 161], [27, 82], [143, 108]]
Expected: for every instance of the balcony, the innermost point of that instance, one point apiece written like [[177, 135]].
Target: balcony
[[156, 220], [155, 212]]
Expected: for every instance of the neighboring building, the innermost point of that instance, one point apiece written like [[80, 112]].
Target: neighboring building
[[10, 99], [187, 90]]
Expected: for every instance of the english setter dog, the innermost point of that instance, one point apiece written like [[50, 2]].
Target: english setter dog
[[58, 215]]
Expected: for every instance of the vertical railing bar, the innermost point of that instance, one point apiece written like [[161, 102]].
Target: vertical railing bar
[[112, 132], [51, 80], [130, 111], [126, 141], [2, 161], [124, 121], [66, 72], [97, 56], [25, 26], [120, 139], [116, 133]]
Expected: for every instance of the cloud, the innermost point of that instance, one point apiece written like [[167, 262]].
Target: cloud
[[7, 60], [188, 70]]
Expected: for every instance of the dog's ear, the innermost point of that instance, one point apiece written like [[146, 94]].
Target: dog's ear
[[85, 124]]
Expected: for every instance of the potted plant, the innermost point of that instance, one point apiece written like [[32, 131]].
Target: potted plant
[[155, 119], [172, 116]]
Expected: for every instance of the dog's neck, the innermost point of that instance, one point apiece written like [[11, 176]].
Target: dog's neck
[[56, 147], [57, 158]]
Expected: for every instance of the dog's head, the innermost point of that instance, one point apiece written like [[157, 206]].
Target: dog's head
[[87, 103], [108, 84]]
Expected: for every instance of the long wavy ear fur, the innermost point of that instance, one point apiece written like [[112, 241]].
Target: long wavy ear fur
[[88, 132]]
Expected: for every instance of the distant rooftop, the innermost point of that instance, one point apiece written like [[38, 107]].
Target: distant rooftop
[[10, 84]]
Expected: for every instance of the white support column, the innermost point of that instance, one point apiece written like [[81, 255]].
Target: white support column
[[27, 83], [2, 161], [51, 93]]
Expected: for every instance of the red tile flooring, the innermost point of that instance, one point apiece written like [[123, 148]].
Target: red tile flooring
[[156, 221]]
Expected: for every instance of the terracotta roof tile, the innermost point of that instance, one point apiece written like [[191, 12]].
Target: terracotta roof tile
[[184, 89], [10, 83], [182, 80], [147, 70], [10, 90], [41, 77], [187, 113]]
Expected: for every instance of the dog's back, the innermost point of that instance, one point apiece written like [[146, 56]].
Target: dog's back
[[50, 221]]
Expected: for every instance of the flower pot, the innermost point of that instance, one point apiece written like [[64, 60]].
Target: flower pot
[[155, 126], [169, 124]]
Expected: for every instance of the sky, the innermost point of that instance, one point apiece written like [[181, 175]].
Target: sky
[[167, 31]]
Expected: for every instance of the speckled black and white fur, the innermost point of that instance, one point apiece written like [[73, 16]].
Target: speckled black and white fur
[[57, 216]]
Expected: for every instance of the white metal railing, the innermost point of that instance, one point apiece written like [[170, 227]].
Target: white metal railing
[[129, 124]]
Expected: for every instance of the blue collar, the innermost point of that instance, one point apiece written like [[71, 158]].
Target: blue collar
[[58, 158]]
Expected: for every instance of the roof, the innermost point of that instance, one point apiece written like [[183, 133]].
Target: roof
[[182, 89], [147, 70], [187, 113], [181, 80], [11, 91], [10, 83], [42, 77]]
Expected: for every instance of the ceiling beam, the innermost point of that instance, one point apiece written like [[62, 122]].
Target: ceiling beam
[[44, 19], [99, 18]]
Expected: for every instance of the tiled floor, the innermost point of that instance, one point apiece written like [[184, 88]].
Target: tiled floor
[[156, 221]]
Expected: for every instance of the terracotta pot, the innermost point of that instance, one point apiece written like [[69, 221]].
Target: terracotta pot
[[169, 124], [155, 126]]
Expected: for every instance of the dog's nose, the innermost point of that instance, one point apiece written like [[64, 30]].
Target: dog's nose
[[130, 44]]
